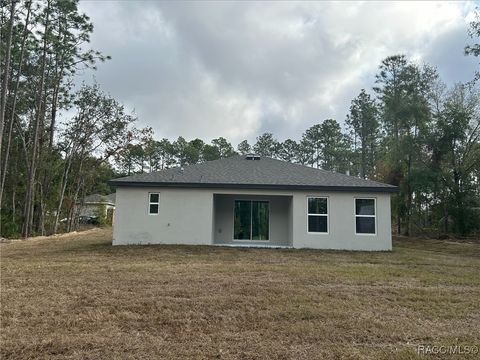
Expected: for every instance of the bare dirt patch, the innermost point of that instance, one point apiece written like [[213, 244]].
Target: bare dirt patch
[[77, 297]]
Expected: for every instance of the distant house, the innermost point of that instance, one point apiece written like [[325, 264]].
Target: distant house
[[253, 201], [94, 204]]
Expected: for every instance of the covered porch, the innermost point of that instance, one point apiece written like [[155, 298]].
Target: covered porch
[[252, 220]]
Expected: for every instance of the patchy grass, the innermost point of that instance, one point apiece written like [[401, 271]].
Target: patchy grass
[[77, 297]]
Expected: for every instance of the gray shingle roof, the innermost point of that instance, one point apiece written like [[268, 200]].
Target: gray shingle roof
[[266, 173], [100, 199]]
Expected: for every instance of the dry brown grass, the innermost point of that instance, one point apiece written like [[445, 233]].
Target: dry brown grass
[[77, 297]]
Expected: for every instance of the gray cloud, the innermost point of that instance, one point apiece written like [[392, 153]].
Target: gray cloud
[[237, 69]]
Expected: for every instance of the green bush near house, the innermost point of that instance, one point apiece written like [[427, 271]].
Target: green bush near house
[[101, 214]]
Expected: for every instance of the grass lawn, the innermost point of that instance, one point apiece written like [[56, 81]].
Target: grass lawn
[[77, 297]]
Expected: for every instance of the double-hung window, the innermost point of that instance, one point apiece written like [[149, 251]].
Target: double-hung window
[[153, 203], [365, 216], [317, 211]]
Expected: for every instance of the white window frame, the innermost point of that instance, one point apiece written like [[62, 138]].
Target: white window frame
[[365, 216], [150, 202], [251, 222], [327, 215]]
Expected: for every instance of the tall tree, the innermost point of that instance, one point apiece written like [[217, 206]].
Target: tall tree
[[131, 160], [312, 145], [458, 147], [6, 71], [160, 154], [100, 130], [224, 147], [210, 152], [403, 89], [180, 148], [266, 145], [14, 91], [474, 33], [244, 147], [335, 155], [219, 148], [166, 154], [326, 147], [289, 150], [193, 151], [69, 33], [40, 108], [364, 126]]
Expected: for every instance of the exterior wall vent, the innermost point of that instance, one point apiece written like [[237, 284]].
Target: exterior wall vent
[[252, 157]]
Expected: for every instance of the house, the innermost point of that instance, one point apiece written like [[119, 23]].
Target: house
[[97, 205], [253, 201]]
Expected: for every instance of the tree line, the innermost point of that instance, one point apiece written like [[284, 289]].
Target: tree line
[[48, 164], [409, 130]]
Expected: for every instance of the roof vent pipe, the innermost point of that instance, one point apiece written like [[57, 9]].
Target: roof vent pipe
[[252, 157]]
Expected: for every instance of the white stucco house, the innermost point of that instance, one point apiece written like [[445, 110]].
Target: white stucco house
[[253, 201]]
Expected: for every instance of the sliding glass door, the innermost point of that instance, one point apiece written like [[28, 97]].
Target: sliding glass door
[[251, 220]]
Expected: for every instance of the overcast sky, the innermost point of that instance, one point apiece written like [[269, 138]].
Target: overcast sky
[[238, 69]]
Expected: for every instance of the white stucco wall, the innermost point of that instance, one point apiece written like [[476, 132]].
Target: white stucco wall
[[186, 217], [341, 223]]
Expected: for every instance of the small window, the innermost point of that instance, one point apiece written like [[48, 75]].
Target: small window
[[317, 215], [365, 216], [153, 203]]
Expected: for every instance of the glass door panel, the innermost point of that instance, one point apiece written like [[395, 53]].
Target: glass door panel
[[260, 219], [242, 220]]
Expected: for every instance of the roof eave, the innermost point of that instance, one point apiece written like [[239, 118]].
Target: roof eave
[[382, 189]]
